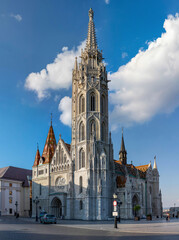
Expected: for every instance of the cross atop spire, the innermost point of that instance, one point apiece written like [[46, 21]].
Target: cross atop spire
[[91, 39]]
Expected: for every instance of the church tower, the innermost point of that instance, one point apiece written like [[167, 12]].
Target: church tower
[[90, 146]]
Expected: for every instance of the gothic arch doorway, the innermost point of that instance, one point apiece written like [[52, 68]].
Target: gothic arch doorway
[[56, 206], [135, 201]]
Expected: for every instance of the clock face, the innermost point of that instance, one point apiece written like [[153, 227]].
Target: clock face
[[60, 183]]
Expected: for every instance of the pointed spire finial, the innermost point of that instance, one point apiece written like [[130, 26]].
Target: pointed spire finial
[[122, 130], [91, 14], [37, 146], [155, 164], [76, 64], [91, 43]]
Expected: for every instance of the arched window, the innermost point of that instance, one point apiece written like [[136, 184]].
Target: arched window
[[80, 185], [81, 104], [81, 132], [103, 131], [65, 158], [142, 193], [92, 102], [62, 156], [81, 158], [103, 104], [92, 128], [81, 204], [57, 157]]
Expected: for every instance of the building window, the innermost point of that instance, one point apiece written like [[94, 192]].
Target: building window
[[62, 156], [10, 184], [34, 173], [81, 132], [41, 172], [57, 157], [10, 210], [81, 184], [103, 105], [81, 158], [103, 132], [46, 170], [142, 193], [81, 104], [65, 158], [10, 192], [92, 102], [92, 128], [10, 200], [81, 204]]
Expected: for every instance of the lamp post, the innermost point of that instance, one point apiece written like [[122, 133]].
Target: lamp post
[[36, 201], [115, 206], [16, 204]]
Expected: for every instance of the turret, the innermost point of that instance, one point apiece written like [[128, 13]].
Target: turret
[[123, 153], [37, 157]]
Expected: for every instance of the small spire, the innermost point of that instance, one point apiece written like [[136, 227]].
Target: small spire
[[149, 164], [122, 143], [123, 153], [155, 165], [76, 64], [37, 146]]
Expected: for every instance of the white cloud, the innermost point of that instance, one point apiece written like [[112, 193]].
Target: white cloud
[[56, 75], [18, 17], [149, 83], [124, 55], [57, 98], [65, 108], [106, 1]]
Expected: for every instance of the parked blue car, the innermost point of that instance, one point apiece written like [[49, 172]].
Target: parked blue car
[[47, 218]]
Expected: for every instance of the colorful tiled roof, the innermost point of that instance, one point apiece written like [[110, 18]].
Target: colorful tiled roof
[[131, 170], [142, 168], [50, 146], [37, 158]]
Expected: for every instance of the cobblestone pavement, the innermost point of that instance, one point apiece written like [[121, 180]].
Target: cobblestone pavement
[[28, 229]]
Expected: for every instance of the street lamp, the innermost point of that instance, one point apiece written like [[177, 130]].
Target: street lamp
[[16, 204], [36, 201], [115, 208]]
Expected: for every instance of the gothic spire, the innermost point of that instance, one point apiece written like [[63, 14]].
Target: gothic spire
[[122, 143], [155, 164], [76, 64], [37, 157], [50, 145], [91, 43], [123, 153]]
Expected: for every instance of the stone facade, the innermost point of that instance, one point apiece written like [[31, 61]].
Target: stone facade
[[77, 181]]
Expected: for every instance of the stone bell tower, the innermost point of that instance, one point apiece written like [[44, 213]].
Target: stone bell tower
[[90, 144]]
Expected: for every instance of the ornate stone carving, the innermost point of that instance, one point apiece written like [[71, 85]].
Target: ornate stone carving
[[60, 183]]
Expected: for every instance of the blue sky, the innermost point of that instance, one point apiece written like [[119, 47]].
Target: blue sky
[[143, 97]]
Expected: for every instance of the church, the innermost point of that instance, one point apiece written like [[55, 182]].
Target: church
[[78, 180]]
